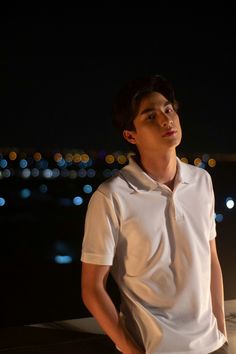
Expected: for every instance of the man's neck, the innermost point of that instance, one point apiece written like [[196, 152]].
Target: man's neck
[[162, 168]]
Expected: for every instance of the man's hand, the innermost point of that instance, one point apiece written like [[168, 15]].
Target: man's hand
[[134, 350], [99, 303]]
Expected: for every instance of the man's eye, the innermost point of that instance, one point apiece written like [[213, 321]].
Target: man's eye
[[169, 109], [151, 116]]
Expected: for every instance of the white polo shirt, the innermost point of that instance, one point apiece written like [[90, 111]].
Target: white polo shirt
[[157, 244]]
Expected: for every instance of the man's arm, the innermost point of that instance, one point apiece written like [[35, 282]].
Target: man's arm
[[217, 289], [99, 303]]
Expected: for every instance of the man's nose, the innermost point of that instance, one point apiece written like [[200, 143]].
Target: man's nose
[[165, 120]]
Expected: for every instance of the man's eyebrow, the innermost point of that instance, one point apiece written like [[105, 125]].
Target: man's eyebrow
[[151, 109]]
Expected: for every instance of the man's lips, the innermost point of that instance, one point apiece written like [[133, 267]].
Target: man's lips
[[169, 133]]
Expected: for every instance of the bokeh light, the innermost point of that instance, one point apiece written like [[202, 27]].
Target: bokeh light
[[77, 158], [37, 156], [109, 159], [23, 163], [26, 173], [91, 173], [25, 193], [84, 158], [87, 188], [229, 203], [184, 159], [3, 163], [57, 156], [82, 172], [12, 155], [212, 162], [77, 200], [43, 188], [63, 259], [2, 201], [122, 159], [197, 162], [219, 217]]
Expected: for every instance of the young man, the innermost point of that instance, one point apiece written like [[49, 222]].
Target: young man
[[152, 226]]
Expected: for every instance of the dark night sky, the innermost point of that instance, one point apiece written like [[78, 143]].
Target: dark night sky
[[61, 68]]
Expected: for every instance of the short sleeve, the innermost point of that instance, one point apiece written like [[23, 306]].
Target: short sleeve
[[101, 231]]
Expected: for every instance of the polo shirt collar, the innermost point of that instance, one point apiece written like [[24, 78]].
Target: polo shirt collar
[[139, 180]]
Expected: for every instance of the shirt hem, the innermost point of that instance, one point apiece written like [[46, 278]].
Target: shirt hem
[[203, 351]]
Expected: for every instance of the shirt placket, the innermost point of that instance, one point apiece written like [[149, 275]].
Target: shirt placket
[[176, 212]]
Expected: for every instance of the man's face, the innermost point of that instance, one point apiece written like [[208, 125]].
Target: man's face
[[157, 126]]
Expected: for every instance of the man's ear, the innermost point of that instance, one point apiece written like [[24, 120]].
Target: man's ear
[[129, 136]]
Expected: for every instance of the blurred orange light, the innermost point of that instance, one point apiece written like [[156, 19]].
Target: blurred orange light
[[12, 155], [184, 159], [197, 161], [122, 159], [84, 158], [57, 156], [69, 157], [109, 159], [37, 156], [212, 162], [77, 158]]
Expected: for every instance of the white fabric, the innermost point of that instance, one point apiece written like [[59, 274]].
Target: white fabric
[[157, 243]]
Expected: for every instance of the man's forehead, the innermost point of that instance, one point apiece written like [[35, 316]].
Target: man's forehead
[[153, 100]]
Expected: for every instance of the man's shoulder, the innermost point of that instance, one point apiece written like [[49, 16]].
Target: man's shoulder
[[113, 185], [194, 173], [195, 169]]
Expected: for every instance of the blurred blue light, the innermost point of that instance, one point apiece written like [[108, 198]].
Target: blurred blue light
[[107, 173], [85, 164], [219, 217], [77, 200], [87, 188], [55, 173], [205, 157], [43, 188], [35, 172], [2, 201], [91, 173], [3, 163], [202, 165], [82, 173], [62, 163], [25, 193], [47, 173], [63, 259], [23, 163]]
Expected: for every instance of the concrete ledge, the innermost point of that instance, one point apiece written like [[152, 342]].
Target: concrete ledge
[[83, 335], [88, 325]]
